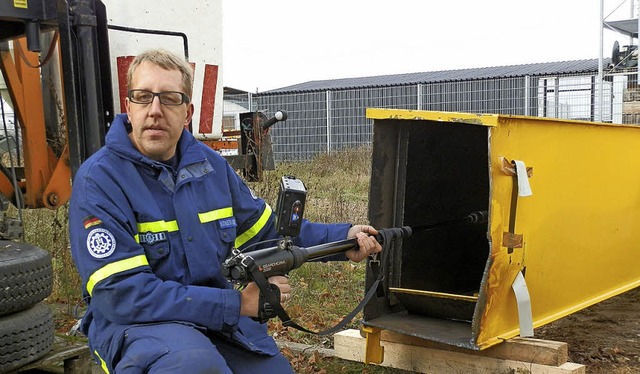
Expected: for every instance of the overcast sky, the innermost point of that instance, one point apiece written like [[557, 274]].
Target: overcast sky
[[275, 43]]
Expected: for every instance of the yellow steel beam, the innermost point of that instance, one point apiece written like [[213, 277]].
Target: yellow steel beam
[[580, 227], [374, 352], [576, 237], [441, 295], [417, 115]]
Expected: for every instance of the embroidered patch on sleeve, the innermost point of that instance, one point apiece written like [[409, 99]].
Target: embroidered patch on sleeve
[[227, 222], [152, 237], [253, 194], [91, 221], [101, 243]]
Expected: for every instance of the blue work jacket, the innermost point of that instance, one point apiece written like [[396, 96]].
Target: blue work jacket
[[149, 241]]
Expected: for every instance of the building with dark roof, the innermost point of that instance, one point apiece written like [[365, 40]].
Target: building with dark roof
[[329, 115], [444, 76]]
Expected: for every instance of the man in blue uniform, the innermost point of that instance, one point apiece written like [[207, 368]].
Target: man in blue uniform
[[153, 215]]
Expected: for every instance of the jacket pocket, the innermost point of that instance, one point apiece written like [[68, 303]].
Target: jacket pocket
[[157, 246], [227, 236]]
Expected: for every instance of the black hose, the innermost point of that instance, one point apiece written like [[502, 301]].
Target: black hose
[[474, 218]]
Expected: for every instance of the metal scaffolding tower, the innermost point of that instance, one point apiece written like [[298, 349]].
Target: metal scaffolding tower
[[621, 17]]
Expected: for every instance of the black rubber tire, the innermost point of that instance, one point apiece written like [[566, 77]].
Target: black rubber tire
[[26, 276], [25, 336]]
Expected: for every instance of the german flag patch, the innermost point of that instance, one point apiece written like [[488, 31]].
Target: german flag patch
[[91, 221]]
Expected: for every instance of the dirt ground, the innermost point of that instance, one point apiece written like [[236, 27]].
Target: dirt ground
[[605, 337]]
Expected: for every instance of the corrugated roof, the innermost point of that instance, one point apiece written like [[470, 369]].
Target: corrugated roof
[[534, 69]]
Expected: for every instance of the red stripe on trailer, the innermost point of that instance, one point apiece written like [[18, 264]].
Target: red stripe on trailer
[[123, 63], [207, 106]]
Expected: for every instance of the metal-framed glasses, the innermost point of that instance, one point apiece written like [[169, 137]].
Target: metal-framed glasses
[[166, 98]]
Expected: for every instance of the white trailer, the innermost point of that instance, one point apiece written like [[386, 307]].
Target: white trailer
[[193, 28]]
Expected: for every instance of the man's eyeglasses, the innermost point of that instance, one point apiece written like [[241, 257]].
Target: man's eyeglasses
[[166, 98]]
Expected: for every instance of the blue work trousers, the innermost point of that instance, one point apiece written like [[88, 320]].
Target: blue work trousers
[[177, 348]]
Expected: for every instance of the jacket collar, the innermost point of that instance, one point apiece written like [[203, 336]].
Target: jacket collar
[[117, 140]]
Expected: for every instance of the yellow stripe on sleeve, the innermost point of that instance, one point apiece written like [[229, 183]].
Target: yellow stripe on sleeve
[[115, 268], [255, 229]]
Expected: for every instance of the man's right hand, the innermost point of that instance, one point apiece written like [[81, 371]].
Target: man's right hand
[[250, 296]]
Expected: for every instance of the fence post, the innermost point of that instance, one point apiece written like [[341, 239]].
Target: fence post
[[328, 99], [527, 91], [556, 96], [419, 93]]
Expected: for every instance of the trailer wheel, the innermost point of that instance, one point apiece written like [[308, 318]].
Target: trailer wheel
[[25, 336], [25, 276]]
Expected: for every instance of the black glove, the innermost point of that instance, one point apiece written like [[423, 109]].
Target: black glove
[[265, 310]]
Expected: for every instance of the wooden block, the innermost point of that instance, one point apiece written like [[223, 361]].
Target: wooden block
[[544, 352], [349, 345]]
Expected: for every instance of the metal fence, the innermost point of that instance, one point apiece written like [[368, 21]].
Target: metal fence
[[328, 121]]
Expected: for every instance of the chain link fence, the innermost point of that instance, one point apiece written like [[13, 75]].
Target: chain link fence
[[329, 121]]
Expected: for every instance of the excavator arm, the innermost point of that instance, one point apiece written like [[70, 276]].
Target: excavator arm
[[54, 59]]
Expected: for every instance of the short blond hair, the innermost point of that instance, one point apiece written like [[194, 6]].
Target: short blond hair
[[166, 60]]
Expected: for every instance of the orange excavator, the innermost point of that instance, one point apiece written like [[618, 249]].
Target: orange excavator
[[56, 64], [57, 101]]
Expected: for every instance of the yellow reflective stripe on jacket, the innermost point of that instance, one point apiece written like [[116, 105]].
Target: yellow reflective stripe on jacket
[[255, 229], [115, 268], [157, 226], [103, 364], [215, 215]]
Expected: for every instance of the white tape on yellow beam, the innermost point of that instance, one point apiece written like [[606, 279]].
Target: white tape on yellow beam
[[524, 188], [524, 305]]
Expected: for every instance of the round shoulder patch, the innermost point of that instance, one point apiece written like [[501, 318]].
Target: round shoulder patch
[[101, 243], [253, 194]]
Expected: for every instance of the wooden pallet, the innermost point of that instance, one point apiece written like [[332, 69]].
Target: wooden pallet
[[69, 355], [518, 355]]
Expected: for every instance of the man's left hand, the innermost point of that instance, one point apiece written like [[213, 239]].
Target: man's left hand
[[367, 243]]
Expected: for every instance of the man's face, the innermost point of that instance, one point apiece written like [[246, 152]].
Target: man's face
[[157, 127]]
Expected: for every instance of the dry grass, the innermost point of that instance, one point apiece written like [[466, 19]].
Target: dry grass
[[337, 185], [48, 229]]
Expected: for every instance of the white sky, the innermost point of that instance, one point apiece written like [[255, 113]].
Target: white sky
[[276, 43]]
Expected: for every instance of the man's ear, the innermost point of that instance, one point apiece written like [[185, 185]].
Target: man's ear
[[190, 111], [126, 106]]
